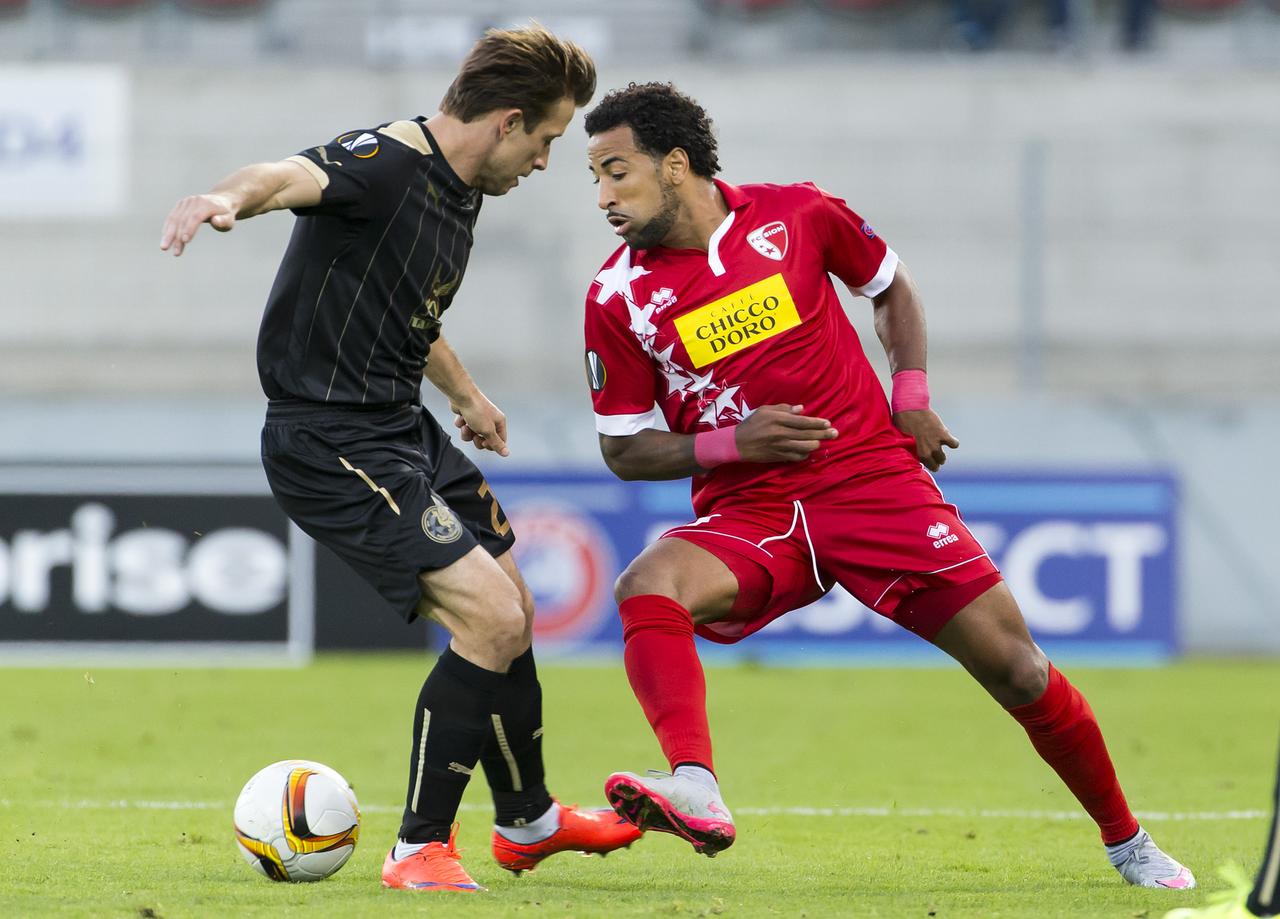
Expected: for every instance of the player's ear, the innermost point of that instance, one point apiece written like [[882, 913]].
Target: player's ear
[[511, 119], [675, 166]]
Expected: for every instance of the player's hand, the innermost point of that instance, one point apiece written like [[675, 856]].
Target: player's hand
[[931, 436], [481, 423], [180, 226], [781, 434]]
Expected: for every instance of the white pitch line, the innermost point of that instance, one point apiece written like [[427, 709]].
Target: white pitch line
[[911, 812]]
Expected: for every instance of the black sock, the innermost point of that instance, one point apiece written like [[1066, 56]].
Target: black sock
[[512, 755], [458, 696], [1264, 899], [692, 763]]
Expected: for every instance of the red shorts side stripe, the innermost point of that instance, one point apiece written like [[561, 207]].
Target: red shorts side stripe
[[905, 589], [883, 538]]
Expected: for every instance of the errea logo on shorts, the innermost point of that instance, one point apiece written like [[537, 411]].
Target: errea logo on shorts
[[747, 316], [941, 535]]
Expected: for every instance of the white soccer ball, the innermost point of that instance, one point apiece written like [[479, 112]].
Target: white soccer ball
[[297, 820]]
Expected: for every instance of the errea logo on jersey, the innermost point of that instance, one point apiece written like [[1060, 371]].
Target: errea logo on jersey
[[661, 299], [747, 316], [770, 240], [941, 535]]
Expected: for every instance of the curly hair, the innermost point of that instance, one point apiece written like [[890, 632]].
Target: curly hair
[[661, 118]]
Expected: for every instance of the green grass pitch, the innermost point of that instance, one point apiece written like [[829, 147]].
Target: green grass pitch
[[857, 792]]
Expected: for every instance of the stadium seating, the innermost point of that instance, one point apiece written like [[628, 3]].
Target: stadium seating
[[122, 6], [747, 6], [1201, 7], [222, 7], [108, 6], [1187, 9], [857, 6]]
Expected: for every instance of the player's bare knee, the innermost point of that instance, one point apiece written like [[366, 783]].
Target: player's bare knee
[[641, 579], [490, 618], [507, 621], [499, 629], [508, 636], [526, 604], [1034, 674], [1025, 677]]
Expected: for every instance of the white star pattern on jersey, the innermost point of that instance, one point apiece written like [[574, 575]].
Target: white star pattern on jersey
[[641, 323], [617, 280], [664, 357], [716, 403], [723, 406]]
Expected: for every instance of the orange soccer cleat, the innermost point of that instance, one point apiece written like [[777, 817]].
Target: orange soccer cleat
[[581, 830], [437, 866]]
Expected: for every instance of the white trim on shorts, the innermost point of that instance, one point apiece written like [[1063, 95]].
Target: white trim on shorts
[[797, 516], [924, 574], [689, 529], [813, 553]]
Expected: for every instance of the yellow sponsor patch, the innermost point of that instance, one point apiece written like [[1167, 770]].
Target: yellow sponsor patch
[[738, 321]]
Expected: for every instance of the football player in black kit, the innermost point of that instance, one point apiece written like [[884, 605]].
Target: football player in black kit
[[380, 245]]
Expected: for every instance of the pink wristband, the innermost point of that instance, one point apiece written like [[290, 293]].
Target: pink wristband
[[715, 448], [910, 391]]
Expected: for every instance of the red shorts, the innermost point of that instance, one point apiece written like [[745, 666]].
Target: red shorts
[[890, 540]]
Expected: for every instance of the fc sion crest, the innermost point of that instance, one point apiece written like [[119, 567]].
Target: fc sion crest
[[770, 240]]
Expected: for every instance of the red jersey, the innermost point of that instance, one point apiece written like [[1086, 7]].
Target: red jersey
[[705, 337]]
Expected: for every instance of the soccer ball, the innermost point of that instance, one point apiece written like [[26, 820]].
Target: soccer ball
[[297, 820]]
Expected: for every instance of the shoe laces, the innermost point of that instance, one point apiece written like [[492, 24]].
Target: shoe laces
[[1147, 852], [450, 848], [1143, 855]]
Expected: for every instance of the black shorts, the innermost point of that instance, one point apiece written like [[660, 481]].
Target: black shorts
[[384, 488]]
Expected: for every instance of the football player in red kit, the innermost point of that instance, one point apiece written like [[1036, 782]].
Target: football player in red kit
[[719, 317]]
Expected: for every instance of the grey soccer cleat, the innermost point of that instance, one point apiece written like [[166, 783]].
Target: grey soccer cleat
[[673, 804], [1142, 864]]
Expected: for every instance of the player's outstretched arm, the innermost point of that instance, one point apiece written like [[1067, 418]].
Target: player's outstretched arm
[[900, 325], [477, 419], [247, 192], [772, 434]]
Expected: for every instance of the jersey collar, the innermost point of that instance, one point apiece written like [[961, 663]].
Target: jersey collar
[[734, 196], [735, 199], [451, 178]]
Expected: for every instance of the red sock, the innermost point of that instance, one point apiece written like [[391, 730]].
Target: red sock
[[666, 676], [1065, 733]]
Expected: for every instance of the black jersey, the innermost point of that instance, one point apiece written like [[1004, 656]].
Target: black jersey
[[369, 270]]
